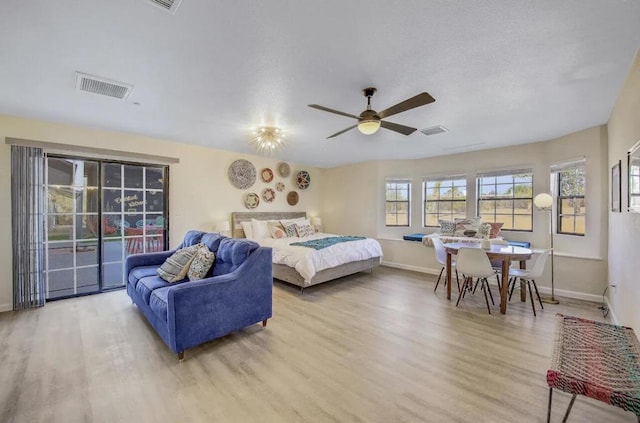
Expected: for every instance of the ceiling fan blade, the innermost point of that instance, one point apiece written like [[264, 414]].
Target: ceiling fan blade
[[411, 103], [404, 130], [337, 112], [342, 132]]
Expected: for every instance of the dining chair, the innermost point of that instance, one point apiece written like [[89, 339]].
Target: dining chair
[[529, 276], [441, 256], [474, 263]]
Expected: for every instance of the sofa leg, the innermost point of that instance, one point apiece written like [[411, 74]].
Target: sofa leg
[[264, 323], [181, 355]]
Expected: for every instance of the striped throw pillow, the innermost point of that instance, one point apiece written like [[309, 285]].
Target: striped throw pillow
[[175, 268]]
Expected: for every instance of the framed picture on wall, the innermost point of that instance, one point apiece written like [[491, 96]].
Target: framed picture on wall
[[616, 192]]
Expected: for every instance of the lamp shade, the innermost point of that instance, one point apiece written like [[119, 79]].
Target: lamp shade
[[223, 226], [543, 201], [368, 127], [316, 221]]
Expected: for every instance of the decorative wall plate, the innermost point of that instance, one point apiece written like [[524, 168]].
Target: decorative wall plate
[[268, 195], [283, 169], [303, 179], [242, 174], [280, 186], [251, 200], [292, 198], [266, 174]]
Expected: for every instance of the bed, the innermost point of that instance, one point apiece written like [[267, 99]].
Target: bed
[[304, 266]]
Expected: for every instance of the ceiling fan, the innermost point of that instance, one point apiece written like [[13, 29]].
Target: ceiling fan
[[370, 121]]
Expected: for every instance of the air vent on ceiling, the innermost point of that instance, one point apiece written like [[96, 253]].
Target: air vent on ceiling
[[168, 5], [439, 129], [99, 85]]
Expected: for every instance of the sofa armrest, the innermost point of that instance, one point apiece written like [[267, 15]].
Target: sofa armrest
[[146, 259], [209, 308]]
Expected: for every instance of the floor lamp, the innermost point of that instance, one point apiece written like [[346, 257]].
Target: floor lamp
[[544, 202]]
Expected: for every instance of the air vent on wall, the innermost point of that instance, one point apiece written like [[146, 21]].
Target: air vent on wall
[[99, 85], [439, 129], [168, 5]]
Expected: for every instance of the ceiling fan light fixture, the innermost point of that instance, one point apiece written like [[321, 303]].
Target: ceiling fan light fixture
[[268, 139], [368, 126]]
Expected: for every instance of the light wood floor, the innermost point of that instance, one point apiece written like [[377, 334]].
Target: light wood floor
[[380, 347]]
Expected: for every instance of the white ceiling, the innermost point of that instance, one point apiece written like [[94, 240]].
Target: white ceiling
[[502, 72]]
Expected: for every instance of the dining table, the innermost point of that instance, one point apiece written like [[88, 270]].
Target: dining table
[[504, 253]]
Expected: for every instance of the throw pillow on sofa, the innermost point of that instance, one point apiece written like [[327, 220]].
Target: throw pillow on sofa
[[495, 229], [447, 227], [201, 264], [475, 222], [175, 268]]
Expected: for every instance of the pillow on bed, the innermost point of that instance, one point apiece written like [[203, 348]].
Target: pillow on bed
[[261, 228], [298, 220], [248, 229], [304, 230], [277, 230], [290, 230]]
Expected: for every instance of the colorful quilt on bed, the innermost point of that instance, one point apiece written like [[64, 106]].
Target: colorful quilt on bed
[[319, 244]]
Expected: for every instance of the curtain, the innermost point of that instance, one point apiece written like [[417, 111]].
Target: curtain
[[27, 184]]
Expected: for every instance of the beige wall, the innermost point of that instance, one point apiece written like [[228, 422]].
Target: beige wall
[[624, 228], [355, 195], [350, 199], [200, 194]]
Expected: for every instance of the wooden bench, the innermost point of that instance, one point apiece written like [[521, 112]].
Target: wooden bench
[[595, 359]]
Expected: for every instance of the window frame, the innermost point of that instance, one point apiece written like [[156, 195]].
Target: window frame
[[513, 199], [397, 181], [450, 215], [559, 197]]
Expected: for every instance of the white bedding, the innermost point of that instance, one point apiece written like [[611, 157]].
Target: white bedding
[[308, 261]]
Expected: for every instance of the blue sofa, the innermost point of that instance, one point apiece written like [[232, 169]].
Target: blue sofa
[[236, 293]]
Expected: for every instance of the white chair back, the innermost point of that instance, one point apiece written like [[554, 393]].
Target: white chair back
[[441, 253], [538, 265], [474, 262]]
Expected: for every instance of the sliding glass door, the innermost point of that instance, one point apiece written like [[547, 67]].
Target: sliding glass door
[[133, 215], [97, 213]]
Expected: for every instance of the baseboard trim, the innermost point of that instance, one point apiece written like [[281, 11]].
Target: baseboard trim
[[614, 319], [409, 267], [5, 307], [571, 294], [543, 290]]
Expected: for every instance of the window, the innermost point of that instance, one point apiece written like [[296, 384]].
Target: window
[[397, 204], [507, 197], [444, 199], [570, 178]]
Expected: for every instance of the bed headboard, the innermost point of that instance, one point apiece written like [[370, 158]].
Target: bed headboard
[[238, 217]]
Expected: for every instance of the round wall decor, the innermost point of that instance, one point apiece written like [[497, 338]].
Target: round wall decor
[[251, 200], [280, 186], [292, 198], [303, 179], [266, 174], [268, 195], [242, 174], [283, 169]]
